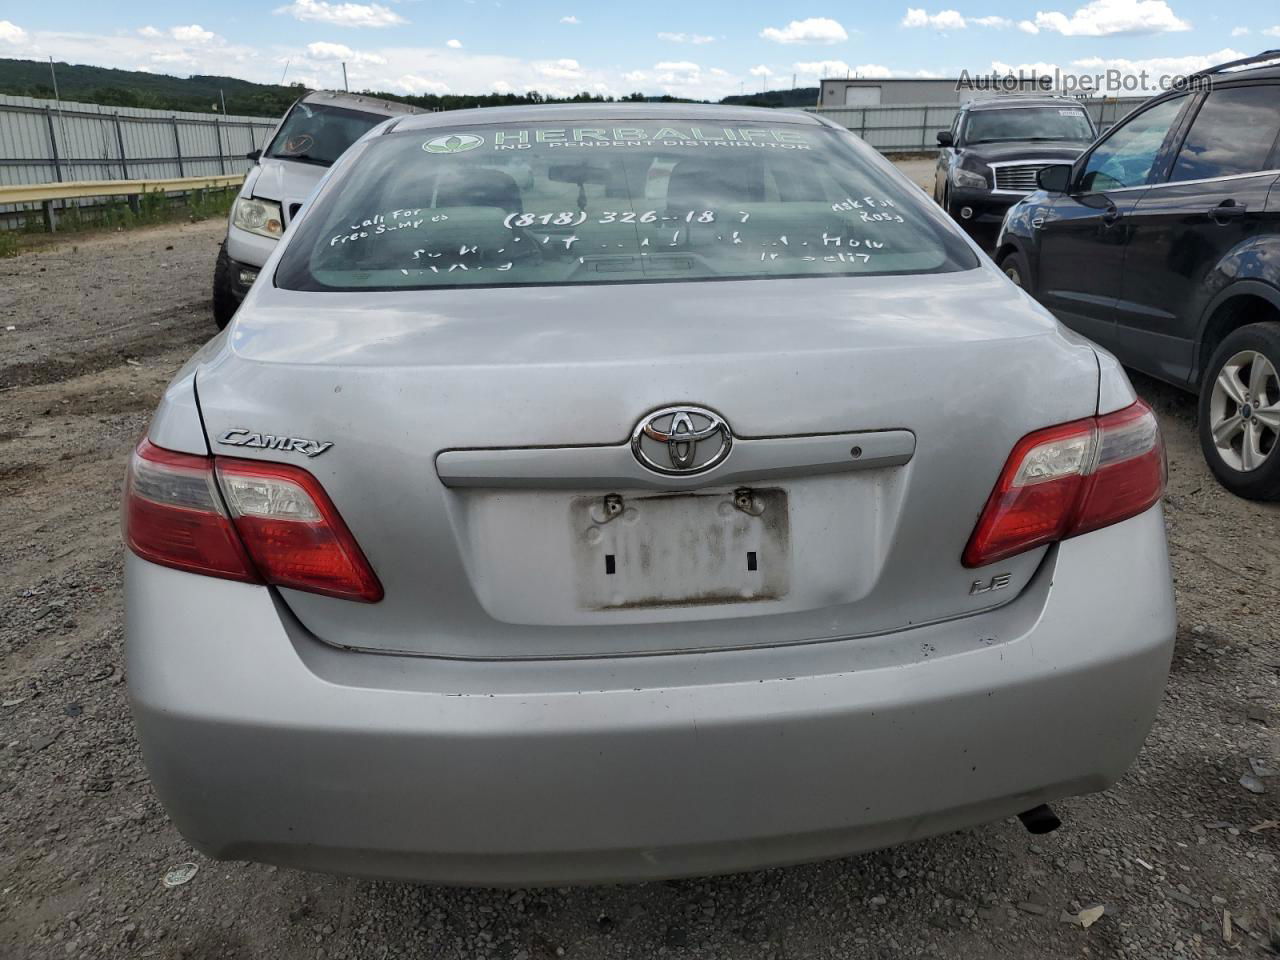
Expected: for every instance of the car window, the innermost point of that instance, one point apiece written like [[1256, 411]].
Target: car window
[[1125, 158], [613, 201], [1233, 133], [318, 133], [1065, 123]]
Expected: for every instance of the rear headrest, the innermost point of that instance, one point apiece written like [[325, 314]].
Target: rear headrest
[[478, 187], [700, 184]]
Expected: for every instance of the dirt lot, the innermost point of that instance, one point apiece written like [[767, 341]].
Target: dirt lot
[[99, 328]]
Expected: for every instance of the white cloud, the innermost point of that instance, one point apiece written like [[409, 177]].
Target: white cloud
[[454, 44], [324, 51], [150, 31], [760, 71], [812, 30], [564, 69], [176, 56], [1000, 23], [636, 76], [343, 14], [942, 20], [696, 38], [1039, 69], [501, 86], [1105, 18], [1152, 68], [1272, 31], [574, 21], [1240, 32], [1026, 26], [192, 34], [413, 84], [12, 33]]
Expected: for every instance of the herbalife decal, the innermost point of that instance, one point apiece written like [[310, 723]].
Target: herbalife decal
[[769, 138]]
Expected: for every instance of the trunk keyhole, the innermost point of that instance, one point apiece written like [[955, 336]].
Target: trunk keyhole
[[610, 567], [751, 560]]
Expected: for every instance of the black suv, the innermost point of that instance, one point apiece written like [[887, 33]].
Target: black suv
[[993, 151], [1162, 243]]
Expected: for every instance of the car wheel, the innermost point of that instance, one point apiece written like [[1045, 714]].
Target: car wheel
[[1014, 266], [1240, 412], [224, 298]]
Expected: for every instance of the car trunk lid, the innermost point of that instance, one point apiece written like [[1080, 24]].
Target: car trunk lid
[[481, 454]]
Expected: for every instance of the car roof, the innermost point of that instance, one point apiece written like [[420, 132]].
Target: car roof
[[1012, 102], [358, 101], [586, 112]]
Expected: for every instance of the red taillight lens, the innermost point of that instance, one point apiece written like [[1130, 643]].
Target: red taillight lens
[[174, 516], [1070, 479], [293, 532], [269, 523]]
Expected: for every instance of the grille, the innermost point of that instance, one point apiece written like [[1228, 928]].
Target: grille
[[1019, 176]]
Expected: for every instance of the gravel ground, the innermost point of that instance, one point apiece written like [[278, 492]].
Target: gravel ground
[[100, 327]]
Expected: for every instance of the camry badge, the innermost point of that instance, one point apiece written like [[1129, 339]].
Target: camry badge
[[242, 437], [679, 441]]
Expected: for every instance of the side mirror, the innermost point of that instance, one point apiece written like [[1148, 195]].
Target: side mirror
[[945, 139], [253, 155], [1055, 178]]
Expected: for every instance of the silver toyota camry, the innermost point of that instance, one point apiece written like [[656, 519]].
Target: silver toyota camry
[[603, 493]]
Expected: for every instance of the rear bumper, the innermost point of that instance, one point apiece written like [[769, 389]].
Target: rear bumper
[[266, 744]]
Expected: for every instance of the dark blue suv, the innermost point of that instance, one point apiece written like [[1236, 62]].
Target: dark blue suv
[[1162, 244]]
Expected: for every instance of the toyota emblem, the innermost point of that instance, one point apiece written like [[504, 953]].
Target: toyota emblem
[[679, 441]]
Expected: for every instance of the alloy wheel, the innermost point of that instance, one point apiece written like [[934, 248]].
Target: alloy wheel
[[1245, 411]]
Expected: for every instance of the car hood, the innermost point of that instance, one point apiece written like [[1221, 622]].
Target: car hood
[[285, 181], [1025, 150]]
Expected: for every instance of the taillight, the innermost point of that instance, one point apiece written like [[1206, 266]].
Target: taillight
[[1067, 480], [242, 520], [174, 516], [293, 532]]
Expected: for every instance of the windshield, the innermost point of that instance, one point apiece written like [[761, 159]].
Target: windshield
[[1029, 123], [617, 201], [318, 133]]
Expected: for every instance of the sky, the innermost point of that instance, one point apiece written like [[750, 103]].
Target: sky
[[703, 49]]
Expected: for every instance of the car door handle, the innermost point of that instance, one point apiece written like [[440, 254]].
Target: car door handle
[[1227, 210]]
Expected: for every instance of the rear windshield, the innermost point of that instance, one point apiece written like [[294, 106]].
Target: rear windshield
[[618, 201], [1029, 123], [318, 133]]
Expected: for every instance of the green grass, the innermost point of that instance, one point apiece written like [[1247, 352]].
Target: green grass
[[117, 214]]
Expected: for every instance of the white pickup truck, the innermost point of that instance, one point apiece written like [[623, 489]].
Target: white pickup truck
[[313, 134]]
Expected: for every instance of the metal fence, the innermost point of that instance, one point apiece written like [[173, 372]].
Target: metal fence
[[43, 141], [912, 128]]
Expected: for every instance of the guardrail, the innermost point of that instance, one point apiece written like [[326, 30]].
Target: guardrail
[[46, 193]]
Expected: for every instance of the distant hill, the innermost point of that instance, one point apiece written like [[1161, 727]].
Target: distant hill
[[136, 88], [158, 91], [796, 97]]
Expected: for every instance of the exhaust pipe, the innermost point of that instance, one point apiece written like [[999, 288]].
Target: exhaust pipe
[[1040, 819]]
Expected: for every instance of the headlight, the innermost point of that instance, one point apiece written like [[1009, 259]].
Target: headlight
[[258, 216], [968, 178]]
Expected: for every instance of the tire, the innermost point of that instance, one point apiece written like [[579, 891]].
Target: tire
[[1014, 266], [1241, 447], [224, 298]]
